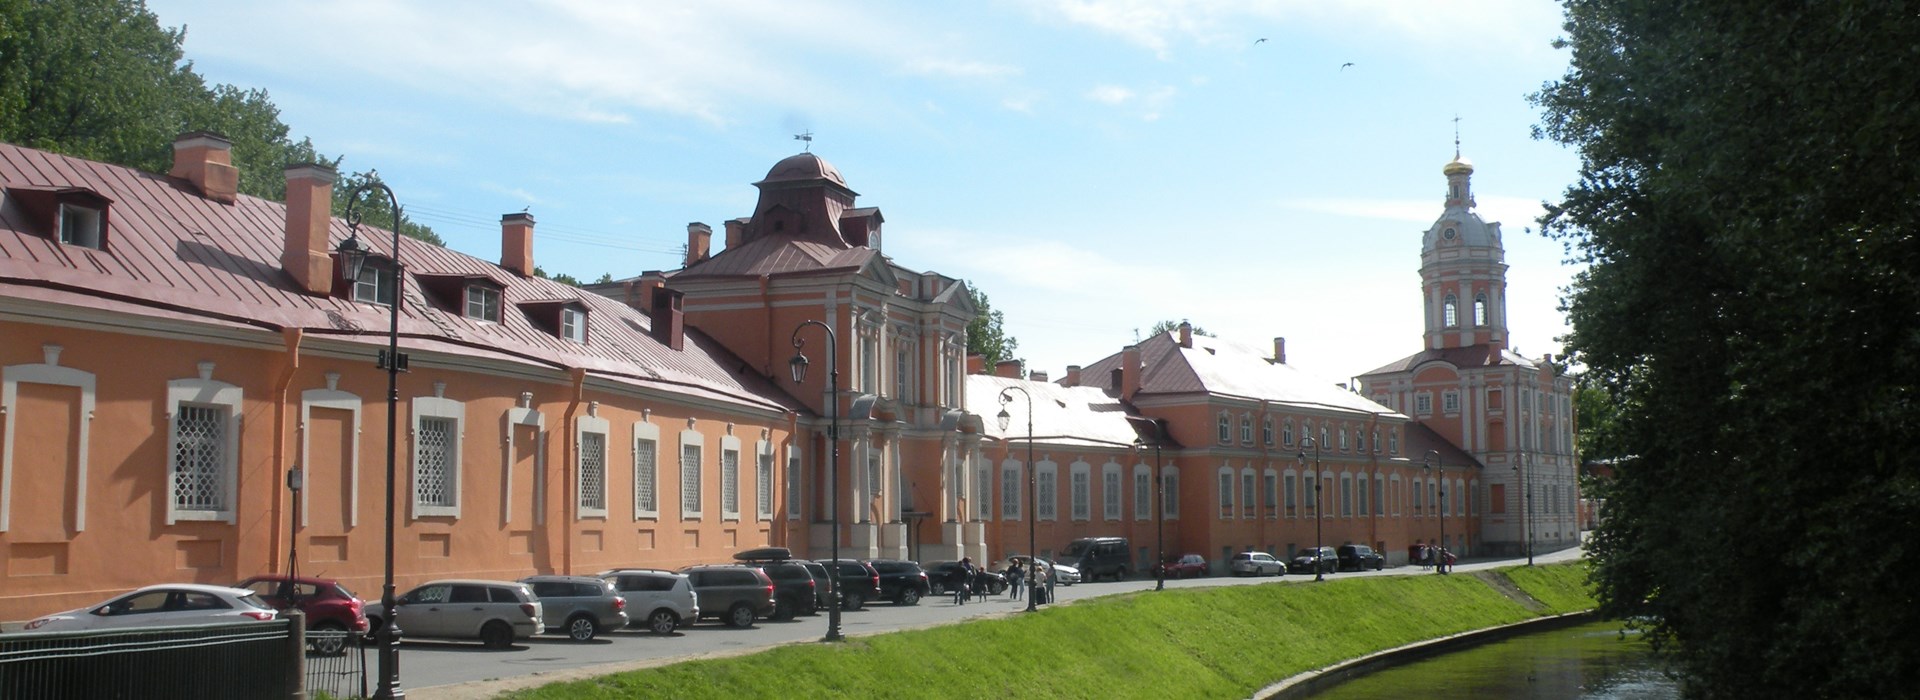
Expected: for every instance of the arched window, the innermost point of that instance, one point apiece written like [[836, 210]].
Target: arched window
[[1480, 309], [1450, 311]]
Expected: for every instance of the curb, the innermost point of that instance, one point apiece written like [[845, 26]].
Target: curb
[[1306, 684]]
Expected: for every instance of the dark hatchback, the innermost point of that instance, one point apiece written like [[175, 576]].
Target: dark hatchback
[[1359, 557], [859, 582]]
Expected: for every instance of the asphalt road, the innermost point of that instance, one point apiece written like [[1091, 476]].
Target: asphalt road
[[458, 671]]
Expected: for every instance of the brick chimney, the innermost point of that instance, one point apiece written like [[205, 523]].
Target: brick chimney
[[1279, 350], [1186, 334], [516, 243], [1037, 376], [205, 159], [976, 364], [735, 229], [307, 253], [1007, 368], [1129, 372], [669, 320], [1073, 376], [699, 242]]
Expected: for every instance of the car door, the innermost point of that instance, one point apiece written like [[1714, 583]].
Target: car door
[[136, 610], [466, 609], [422, 612]]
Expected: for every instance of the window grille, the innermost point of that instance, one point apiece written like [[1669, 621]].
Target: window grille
[[593, 472], [199, 459], [690, 480], [646, 472], [433, 473]]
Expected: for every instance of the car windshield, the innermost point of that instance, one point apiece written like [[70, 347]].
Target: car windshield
[[1076, 549], [253, 600]]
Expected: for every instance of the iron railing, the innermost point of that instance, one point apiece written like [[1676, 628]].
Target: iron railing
[[242, 661], [337, 664]]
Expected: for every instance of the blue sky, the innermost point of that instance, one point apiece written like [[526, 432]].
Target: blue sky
[[1094, 167]]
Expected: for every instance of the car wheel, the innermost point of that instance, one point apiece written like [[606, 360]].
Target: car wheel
[[496, 635], [910, 596], [582, 628], [1120, 575], [939, 589], [852, 601], [741, 615], [332, 643], [783, 609], [662, 621]]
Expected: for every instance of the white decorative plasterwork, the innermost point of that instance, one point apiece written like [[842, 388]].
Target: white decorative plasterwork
[[331, 398], [50, 372], [527, 416]]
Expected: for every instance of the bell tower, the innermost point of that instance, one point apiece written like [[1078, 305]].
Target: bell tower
[[1463, 269]]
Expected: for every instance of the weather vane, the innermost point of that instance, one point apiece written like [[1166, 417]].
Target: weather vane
[[806, 136], [1456, 136]]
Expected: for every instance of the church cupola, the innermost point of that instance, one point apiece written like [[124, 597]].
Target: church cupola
[[1463, 269], [802, 197]]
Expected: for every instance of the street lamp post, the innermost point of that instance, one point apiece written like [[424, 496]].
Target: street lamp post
[[1319, 513], [1033, 484], [798, 365], [1526, 513], [1432, 462], [354, 254], [1160, 505]]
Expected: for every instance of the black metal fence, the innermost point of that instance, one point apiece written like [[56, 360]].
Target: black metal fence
[[336, 664], [243, 661]]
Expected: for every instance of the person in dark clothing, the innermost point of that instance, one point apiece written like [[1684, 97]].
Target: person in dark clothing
[[961, 580]]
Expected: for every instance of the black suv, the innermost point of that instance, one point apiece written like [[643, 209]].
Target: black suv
[[1359, 557], [1098, 557], [859, 582], [902, 582], [794, 590], [1308, 561], [737, 594]]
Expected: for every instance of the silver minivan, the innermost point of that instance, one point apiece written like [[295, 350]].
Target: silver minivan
[[660, 601], [494, 612]]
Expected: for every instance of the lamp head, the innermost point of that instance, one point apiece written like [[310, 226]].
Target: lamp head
[[353, 255], [1005, 419], [798, 366]]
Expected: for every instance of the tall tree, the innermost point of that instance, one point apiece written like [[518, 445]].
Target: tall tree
[[985, 333], [1170, 326], [374, 209], [1749, 208]]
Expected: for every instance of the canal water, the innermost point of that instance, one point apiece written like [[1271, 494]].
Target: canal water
[[1593, 661]]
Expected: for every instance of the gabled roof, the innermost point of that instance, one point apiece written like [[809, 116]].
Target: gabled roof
[[1468, 357], [1223, 368], [1062, 415], [175, 254], [779, 256]]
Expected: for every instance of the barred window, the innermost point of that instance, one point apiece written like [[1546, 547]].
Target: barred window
[[1271, 491], [983, 496], [1048, 493], [1110, 491], [200, 458], [793, 482], [765, 482], [1292, 488], [593, 473], [690, 480], [1082, 509], [1226, 493], [1246, 493], [646, 475], [433, 465], [1226, 428], [1010, 491], [729, 483], [1142, 493], [1170, 493]]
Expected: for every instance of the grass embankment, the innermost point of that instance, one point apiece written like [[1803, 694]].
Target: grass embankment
[[1206, 642]]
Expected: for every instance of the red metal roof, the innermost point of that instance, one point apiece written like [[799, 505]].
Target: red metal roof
[[173, 253]]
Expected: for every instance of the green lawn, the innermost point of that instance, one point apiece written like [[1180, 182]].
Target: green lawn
[[1205, 642]]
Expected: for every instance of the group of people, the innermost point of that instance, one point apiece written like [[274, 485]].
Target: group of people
[[1429, 556], [966, 581]]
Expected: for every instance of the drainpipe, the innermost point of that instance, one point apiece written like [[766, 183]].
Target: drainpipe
[[569, 451], [282, 422], [793, 443]]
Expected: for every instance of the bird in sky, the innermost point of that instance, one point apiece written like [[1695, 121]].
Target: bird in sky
[[1259, 41], [1344, 66]]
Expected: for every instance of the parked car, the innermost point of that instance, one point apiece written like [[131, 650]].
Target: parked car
[[796, 588], [658, 600], [1066, 574], [940, 574], [822, 590], [581, 606], [1255, 564], [1186, 566], [1099, 557], [739, 595], [1359, 557], [494, 612], [329, 606], [164, 605], [859, 582], [1306, 561], [901, 581]]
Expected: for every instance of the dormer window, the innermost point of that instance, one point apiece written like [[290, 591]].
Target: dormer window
[[573, 325], [483, 303], [375, 283], [80, 226]]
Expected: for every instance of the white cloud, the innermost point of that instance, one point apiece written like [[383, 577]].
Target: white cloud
[[1490, 27], [1110, 94], [1150, 101], [947, 68]]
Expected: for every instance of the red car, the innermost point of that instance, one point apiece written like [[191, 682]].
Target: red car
[[1187, 566], [329, 606]]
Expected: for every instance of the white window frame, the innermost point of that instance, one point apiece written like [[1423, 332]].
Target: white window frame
[[1290, 492], [690, 489], [375, 284], [483, 303], [1450, 402], [1080, 490], [426, 407], [763, 480], [11, 377], [794, 465], [585, 426], [1142, 492], [1047, 493], [1225, 486], [1266, 431], [1360, 482], [1286, 433], [646, 470], [1270, 488], [573, 325], [206, 393], [1226, 428], [983, 481], [729, 478], [1246, 428], [80, 226], [1010, 489], [1249, 501], [1346, 495], [1170, 492], [1423, 403], [1110, 490]]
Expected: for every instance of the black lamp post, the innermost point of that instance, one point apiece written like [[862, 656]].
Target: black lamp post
[[1319, 514], [1526, 520], [354, 254], [1033, 484], [1432, 462], [1160, 506], [799, 367]]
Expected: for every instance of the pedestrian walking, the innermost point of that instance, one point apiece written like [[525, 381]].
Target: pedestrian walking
[[961, 580], [1015, 577]]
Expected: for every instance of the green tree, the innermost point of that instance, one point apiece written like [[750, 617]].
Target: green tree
[[1747, 206], [986, 334], [1171, 326], [103, 80], [374, 209]]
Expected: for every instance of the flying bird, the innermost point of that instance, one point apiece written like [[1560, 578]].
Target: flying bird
[[1343, 66], [1259, 41]]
